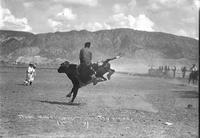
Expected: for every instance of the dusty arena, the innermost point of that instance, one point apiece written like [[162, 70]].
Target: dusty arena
[[125, 106]]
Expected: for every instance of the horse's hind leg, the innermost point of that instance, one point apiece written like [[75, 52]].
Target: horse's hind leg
[[110, 72], [103, 78]]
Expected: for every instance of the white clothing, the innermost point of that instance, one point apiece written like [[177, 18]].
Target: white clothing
[[194, 68], [30, 74]]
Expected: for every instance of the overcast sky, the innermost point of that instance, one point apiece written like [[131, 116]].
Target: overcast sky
[[179, 17]]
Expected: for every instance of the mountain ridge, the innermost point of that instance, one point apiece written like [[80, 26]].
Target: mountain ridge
[[52, 48]]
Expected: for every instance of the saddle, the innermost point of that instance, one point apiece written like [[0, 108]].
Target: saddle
[[83, 75]]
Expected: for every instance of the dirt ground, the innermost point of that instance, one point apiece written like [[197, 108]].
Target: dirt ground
[[125, 106]]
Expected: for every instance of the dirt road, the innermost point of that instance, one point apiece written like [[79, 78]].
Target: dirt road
[[125, 106]]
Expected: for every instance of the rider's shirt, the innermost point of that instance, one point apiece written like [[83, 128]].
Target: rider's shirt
[[85, 56]]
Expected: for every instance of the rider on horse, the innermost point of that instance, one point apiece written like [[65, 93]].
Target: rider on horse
[[194, 73], [86, 71], [85, 67]]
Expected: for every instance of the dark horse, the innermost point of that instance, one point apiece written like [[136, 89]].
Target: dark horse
[[81, 79], [193, 76]]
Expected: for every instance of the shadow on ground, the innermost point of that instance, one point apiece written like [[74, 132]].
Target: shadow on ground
[[61, 103], [22, 84], [187, 94]]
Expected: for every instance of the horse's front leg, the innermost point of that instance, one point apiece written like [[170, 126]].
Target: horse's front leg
[[75, 91], [70, 93]]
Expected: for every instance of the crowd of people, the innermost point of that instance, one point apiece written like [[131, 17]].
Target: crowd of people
[[166, 69]]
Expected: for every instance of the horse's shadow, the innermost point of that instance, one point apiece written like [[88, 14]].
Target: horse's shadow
[[187, 94], [61, 103], [22, 84]]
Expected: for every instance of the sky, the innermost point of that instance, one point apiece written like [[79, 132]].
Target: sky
[[178, 17]]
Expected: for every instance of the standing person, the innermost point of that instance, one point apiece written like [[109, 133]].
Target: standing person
[[165, 70], [33, 74], [194, 68], [174, 71], [183, 69], [85, 69], [30, 74]]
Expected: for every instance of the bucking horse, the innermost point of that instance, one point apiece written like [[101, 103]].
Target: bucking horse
[[83, 78]]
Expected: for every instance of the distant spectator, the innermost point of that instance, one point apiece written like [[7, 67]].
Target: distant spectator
[[168, 69], [30, 74], [162, 68], [174, 71], [183, 69], [165, 70], [159, 68]]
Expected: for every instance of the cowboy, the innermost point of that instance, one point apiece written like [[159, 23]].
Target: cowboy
[[85, 57], [174, 71]]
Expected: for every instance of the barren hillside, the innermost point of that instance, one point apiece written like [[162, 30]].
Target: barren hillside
[[52, 48]]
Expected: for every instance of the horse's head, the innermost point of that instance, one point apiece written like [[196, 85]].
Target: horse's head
[[63, 67]]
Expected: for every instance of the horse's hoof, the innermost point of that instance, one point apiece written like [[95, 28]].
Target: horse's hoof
[[95, 82], [104, 79], [70, 102]]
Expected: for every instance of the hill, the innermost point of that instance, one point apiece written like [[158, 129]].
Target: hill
[[53, 48]]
